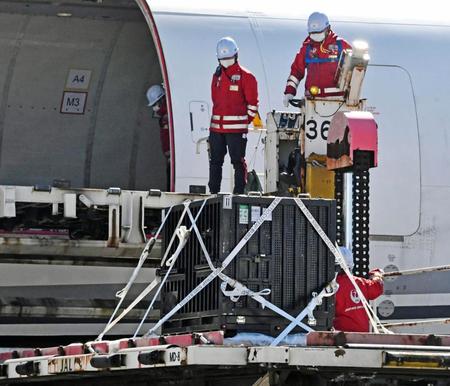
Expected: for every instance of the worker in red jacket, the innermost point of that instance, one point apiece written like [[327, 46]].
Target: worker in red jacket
[[156, 97], [318, 56], [235, 103], [350, 315]]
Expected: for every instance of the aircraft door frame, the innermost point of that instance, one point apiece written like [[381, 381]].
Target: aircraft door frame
[[396, 182]]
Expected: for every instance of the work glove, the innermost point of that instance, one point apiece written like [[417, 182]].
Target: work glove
[[286, 99], [256, 120], [376, 274]]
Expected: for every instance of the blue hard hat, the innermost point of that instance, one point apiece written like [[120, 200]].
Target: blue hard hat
[[154, 94], [348, 256], [226, 48], [317, 22]]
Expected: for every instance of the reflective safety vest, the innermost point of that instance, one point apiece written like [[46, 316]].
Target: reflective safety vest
[[310, 58], [234, 93]]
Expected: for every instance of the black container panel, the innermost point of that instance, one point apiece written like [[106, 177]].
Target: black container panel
[[285, 255]]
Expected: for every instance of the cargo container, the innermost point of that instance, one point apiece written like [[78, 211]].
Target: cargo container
[[285, 255]]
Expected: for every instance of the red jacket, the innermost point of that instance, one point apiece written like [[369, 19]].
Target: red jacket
[[350, 313], [320, 60], [164, 128], [234, 93]]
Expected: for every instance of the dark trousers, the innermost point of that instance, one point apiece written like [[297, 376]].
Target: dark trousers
[[218, 143]]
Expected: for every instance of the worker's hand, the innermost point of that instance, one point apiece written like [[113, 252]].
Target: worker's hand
[[256, 120], [286, 99], [376, 274]]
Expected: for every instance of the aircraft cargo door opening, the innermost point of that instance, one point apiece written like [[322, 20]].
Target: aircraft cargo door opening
[[73, 106]]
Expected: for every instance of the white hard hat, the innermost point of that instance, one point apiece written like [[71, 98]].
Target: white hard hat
[[317, 22], [348, 257], [226, 48], [154, 94]]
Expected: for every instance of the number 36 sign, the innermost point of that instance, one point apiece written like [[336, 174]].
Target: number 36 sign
[[318, 115]]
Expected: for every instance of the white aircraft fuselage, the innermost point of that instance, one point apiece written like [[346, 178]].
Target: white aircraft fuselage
[[114, 141], [406, 88]]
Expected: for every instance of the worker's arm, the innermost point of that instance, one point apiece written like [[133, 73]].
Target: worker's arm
[[345, 44], [297, 72], [214, 87], [374, 285], [250, 90], [164, 120]]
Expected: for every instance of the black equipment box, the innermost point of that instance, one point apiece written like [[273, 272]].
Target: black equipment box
[[285, 255]]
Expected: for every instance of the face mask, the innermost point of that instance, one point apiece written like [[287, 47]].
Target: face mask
[[318, 37], [156, 109], [227, 62]]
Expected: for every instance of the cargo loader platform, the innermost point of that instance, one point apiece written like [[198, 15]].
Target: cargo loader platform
[[52, 225], [206, 358]]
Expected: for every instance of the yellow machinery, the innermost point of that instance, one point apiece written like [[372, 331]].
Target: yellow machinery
[[319, 180]]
